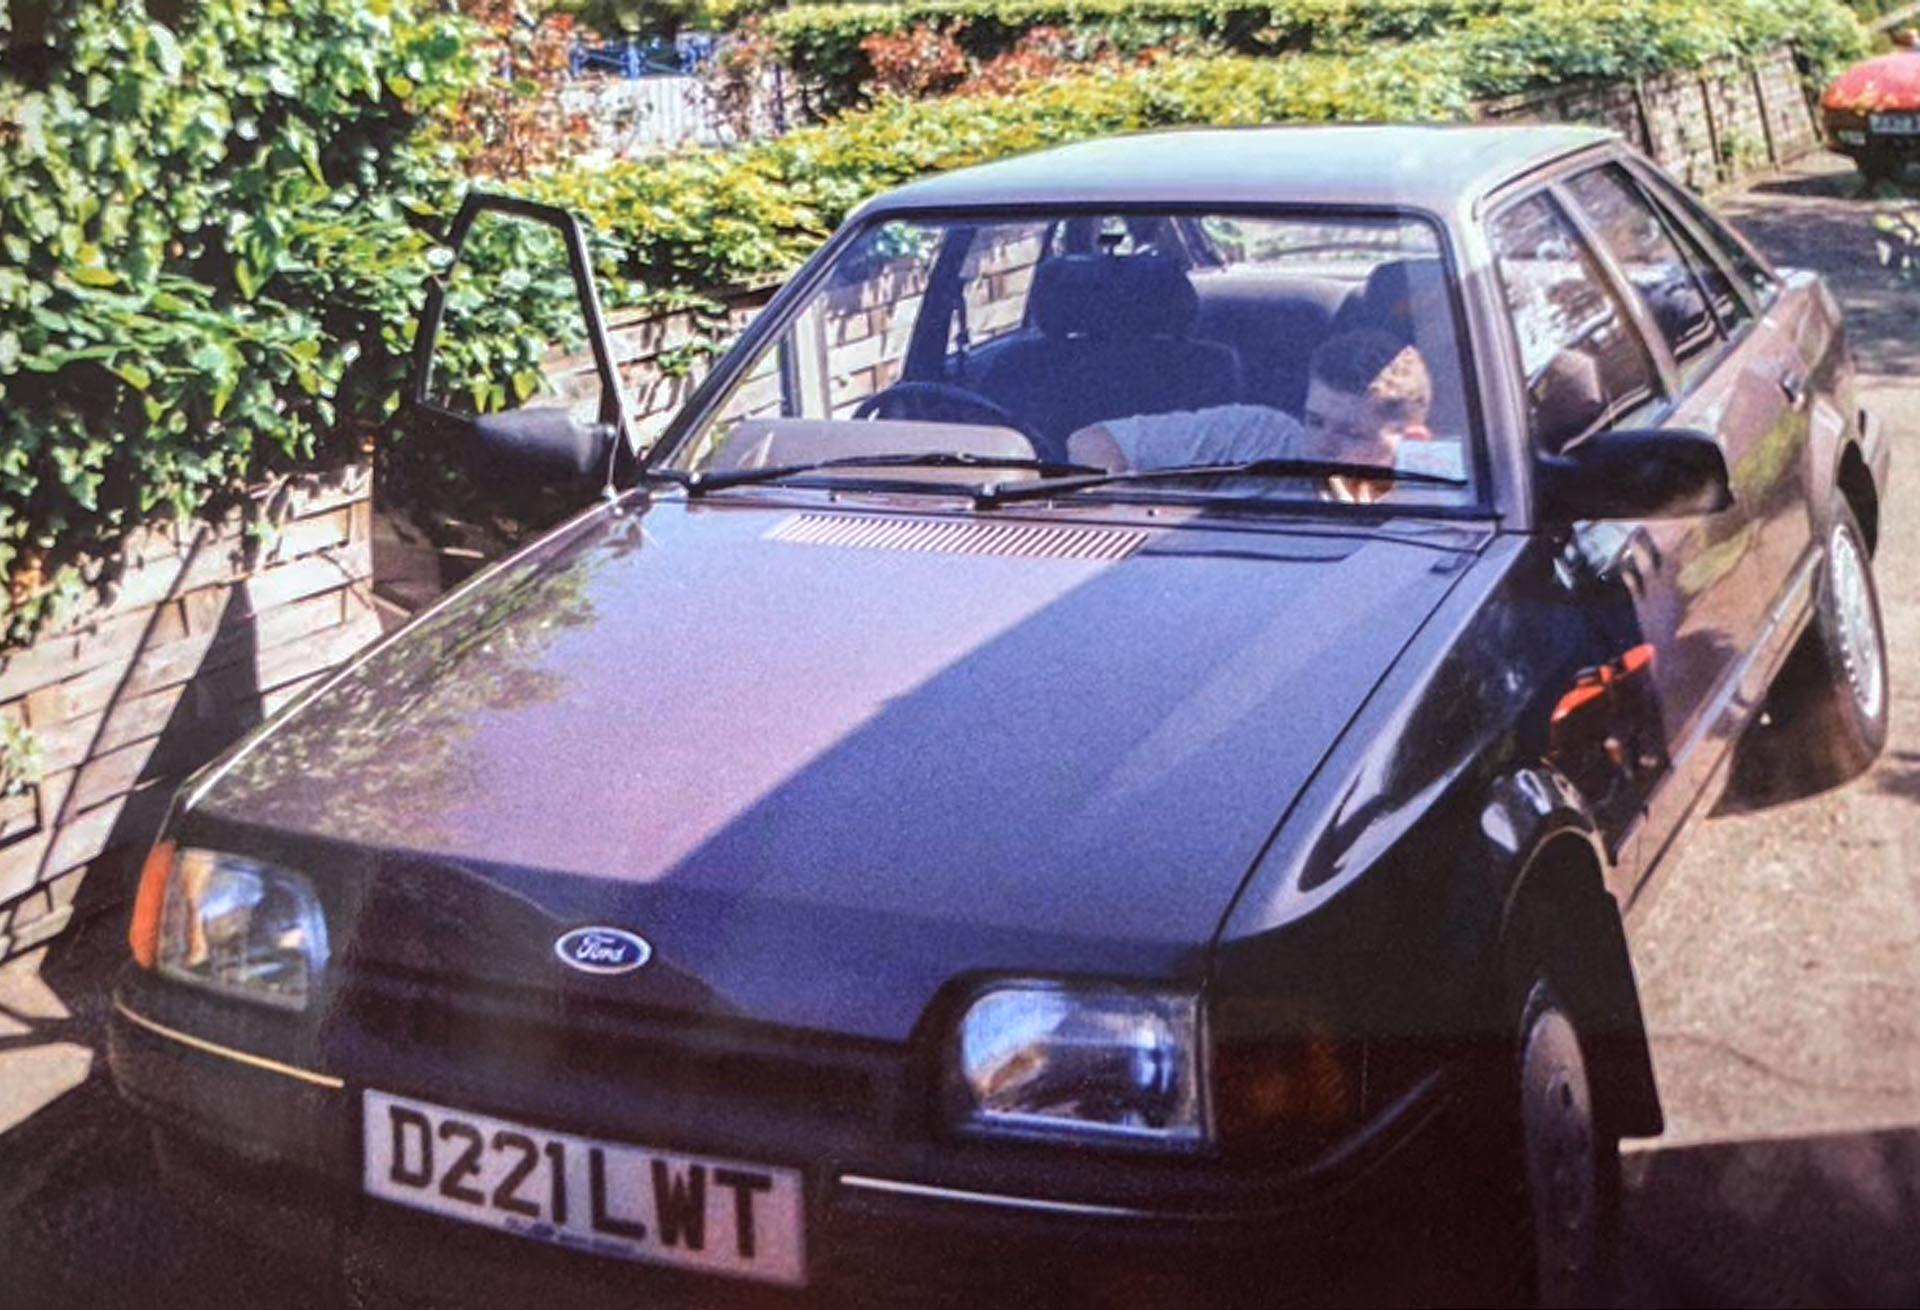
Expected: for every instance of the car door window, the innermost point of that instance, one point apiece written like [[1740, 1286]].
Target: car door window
[[1584, 361], [995, 282], [1668, 287], [1728, 307], [1731, 250]]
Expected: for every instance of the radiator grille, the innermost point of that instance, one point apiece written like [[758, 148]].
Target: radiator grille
[[959, 536]]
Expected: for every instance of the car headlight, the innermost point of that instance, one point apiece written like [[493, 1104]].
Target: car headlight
[[1045, 1059], [231, 924]]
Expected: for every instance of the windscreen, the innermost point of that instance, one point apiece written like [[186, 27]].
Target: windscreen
[[1123, 341]]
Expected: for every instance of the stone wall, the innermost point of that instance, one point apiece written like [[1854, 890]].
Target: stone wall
[[1714, 125], [208, 630]]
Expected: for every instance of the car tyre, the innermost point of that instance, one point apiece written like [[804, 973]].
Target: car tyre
[[1554, 1171], [1571, 1167], [1837, 699], [1877, 166]]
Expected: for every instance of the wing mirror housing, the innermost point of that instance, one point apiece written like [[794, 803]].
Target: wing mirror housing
[[547, 444], [1661, 473]]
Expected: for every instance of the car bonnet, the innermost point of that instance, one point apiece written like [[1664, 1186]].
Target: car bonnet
[[826, 762]]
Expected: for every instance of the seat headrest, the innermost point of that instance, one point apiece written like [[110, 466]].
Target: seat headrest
[[1402, 291], [1113, 296]]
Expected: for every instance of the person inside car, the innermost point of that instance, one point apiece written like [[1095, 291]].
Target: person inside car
[[1366, 393]]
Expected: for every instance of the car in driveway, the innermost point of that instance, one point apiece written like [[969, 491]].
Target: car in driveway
[[1871, 112], [1104, 757]]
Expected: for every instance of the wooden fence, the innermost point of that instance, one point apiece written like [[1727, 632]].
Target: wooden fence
[[1709, 126], [205, 636]]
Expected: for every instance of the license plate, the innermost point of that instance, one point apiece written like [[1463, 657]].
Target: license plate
[[606, 1198], [1895, 124]]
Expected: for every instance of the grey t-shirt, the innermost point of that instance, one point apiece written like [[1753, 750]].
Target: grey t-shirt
[[1222, 434]]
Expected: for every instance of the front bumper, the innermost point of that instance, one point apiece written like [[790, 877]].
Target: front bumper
[[273, 1149], [1854, 134]]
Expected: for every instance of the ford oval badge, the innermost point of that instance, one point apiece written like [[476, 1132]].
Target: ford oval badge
[[603, 950]]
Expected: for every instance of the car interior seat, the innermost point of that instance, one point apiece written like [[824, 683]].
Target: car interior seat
[[1408, 299], [1112, 336]]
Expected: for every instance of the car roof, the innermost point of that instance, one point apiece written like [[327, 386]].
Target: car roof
[[1442, 169]]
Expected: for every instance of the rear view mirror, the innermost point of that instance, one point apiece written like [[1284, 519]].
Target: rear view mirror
[[526, 279], [1655, 474]]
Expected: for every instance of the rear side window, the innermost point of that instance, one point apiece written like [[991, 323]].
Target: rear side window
[[1730, 249], [1645, 251], [1584, 362], [1732, 311]]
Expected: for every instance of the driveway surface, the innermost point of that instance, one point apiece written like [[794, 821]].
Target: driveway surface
[[1779, 968]]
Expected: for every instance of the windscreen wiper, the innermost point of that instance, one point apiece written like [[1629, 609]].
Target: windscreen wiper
[[697, 483], [998, 493]]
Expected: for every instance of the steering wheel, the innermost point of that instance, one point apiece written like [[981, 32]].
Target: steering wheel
[[937, 401]]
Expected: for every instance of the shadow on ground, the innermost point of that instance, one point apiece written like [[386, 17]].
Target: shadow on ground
[[1825, 217], [1799, 1221], [86, 1223]]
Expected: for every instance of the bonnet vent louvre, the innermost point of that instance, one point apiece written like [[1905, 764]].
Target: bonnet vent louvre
[[959, 537]]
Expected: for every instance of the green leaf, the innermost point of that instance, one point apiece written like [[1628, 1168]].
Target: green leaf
[[166, 50], [133, 375]]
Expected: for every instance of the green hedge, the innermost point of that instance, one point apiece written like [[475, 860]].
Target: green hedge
[[821, 43], [207, 263], [1552, 39], [710, 219], [212, 240]]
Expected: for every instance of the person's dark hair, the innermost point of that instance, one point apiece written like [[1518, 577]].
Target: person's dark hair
[[1368, 362]]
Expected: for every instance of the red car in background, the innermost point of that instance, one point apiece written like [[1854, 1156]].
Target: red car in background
[[1872, 111]]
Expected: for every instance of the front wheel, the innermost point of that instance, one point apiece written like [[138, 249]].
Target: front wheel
[[1571, 1168], [1834, 693], [1537, 1174]]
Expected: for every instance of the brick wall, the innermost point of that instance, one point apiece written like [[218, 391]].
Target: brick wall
[[201, 639]]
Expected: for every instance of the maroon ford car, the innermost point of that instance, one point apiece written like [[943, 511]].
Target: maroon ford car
[[1108, 756]]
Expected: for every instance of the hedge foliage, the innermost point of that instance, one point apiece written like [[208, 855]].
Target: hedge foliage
[[708, 219], [705, 219], [206, 260], [213, 241], [1523, 42]]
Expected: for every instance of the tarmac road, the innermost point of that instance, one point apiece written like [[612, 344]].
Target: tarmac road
[[1779, 969]]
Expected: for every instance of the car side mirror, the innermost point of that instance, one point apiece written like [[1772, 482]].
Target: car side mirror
[[546, 443], [1650, 474], [540, 445]]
